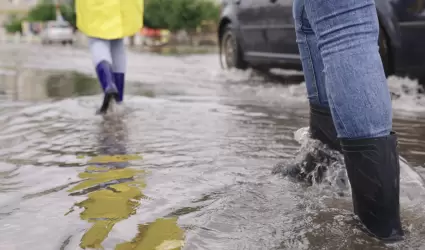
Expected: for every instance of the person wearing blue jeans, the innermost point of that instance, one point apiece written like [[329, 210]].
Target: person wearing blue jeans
[[350, 104]]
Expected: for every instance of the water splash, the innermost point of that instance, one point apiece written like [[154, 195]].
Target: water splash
[[325, 168], [407, 95], [316, 163]]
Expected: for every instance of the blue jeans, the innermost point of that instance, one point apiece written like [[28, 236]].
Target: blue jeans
[[338, 44]]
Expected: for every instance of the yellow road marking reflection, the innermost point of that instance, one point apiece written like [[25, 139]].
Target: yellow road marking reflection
[[114, 194]]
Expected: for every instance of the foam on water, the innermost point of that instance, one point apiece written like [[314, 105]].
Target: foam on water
[[412, 185], [407, 95], [330, 201]]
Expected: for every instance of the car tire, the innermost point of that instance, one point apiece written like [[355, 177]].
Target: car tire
[[384, 51], [231, 54]]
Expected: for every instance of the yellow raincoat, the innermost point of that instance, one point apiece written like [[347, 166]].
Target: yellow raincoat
[[109, 19]]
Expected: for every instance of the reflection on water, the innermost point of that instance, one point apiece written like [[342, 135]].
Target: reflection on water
[[67, 84], [114, 192], [27, 84], [162, 234]]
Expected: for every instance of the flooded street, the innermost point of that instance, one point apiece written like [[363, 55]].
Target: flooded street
[[185, 163]]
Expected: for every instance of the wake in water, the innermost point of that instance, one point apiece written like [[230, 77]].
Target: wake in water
[[319, 165], [324, 170], [316, 164]]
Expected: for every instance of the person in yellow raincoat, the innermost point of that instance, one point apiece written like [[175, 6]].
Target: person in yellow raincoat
[[107, 23]]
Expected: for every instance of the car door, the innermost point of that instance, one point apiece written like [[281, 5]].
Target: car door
[[252, 24], [280, 31], [411, 17]]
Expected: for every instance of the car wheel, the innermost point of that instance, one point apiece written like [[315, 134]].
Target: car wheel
[[231, 55], [384, 51]]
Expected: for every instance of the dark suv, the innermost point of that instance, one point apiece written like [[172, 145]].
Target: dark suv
[[261, 34]]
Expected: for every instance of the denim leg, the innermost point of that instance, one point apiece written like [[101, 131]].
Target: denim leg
[[347, 33], [310, 56]]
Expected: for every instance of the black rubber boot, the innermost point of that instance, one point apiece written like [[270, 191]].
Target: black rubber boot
[[374, 172], [321, 128]]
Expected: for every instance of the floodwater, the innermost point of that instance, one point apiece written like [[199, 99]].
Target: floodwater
[[185, 163]]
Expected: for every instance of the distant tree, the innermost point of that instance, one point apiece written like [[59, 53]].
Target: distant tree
[[179, 14], [210, 10], [14, 24], [46, 11], [155, 12], [42, 12], [68, 13]]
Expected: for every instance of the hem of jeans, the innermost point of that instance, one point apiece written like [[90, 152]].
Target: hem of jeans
[[337, 117], [318, 103], [372, 135]]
